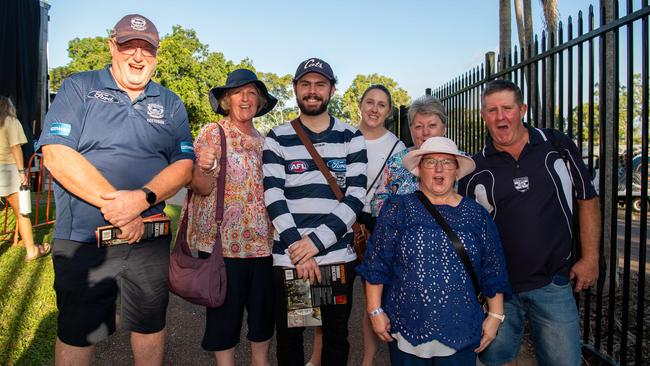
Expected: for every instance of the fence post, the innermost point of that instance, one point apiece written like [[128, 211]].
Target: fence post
[[427, 91], [489, 65]]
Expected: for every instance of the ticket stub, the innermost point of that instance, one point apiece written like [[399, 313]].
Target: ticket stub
[[153, 227]]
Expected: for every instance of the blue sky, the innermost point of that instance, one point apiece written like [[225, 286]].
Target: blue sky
[[419, 43]]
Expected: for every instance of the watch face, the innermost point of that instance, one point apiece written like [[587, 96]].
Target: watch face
[[150, 196]]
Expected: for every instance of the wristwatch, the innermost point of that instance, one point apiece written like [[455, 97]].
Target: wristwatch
[[150, 196]]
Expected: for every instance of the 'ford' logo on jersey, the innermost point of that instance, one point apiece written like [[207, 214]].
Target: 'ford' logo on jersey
[[337, 165], [298, 166], [103, 96]]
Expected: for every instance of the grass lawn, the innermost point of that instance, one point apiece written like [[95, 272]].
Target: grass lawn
[[28, 303]]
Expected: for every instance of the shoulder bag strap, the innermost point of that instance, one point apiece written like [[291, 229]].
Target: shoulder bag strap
[[317, 158], [458, 245], [383, 165], [221, 182]]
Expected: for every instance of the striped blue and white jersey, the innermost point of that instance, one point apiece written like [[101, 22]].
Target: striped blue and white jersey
[[299, 200]]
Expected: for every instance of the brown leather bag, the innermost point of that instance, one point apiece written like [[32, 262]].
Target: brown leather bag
[[201, 281], [361, 234]]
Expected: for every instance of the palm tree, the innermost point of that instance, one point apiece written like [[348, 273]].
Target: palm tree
[[524, 18], [504, 33]]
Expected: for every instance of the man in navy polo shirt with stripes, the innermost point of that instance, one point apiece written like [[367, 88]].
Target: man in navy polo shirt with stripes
[[118, 145], [312, 227], [526, 178]]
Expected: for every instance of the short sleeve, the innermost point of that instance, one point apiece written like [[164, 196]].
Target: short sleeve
[[183, 146], [582, 180], [64, 121], [377, 266], [15, 133]]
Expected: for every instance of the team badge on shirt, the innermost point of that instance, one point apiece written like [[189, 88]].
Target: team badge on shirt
[[155, 110], [521, 184]]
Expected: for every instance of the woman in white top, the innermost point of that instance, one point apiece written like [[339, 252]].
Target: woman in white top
[[376, 106], [13, 175]]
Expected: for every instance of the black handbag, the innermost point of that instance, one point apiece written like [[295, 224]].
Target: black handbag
[[458, 245]]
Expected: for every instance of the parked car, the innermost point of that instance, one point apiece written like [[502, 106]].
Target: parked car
[[636, 184], [622, 179]]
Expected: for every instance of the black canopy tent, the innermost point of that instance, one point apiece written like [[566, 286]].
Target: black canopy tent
[[22, 62]]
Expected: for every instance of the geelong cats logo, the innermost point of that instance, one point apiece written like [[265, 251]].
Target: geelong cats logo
[[521, 184]]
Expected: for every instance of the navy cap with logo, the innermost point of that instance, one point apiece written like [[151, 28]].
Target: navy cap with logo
[[136, 26], [315, 65]]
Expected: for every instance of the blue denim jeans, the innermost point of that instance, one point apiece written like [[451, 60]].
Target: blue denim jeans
[[464, 357], [554, 325]]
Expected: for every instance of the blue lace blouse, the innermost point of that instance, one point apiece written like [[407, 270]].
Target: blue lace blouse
[[427, 293]]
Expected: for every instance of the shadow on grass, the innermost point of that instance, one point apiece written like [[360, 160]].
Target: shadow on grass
[[13, 267], [29, 292], [41, 350]]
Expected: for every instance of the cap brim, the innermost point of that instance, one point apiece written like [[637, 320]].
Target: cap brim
[[128, 37], [297, 77]]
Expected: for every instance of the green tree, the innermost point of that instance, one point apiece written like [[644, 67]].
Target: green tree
[[186, 67], [336, 108], [352, 96], [623, 95], [85, 54], [280, 87]]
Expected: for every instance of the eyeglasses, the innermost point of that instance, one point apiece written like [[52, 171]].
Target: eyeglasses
[[129, 49], [447, 164]]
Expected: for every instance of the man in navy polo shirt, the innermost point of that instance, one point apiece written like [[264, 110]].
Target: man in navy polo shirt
[[526, 177], [118, 145]]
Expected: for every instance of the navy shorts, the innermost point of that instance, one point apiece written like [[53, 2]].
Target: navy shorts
[[88, 280], [249, 286]]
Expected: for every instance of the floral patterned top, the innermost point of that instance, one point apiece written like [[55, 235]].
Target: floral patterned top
[[397, 180], [246, 230]]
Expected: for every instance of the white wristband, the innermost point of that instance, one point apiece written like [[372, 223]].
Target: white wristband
[[501, 317], [375, 312], [214, 166]]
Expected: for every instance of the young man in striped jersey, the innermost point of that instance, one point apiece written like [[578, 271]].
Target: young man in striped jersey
[[312, 227]]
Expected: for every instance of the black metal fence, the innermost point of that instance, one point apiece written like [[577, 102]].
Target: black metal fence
[[591, 82]]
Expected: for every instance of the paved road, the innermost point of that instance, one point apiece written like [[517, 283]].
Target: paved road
[[185, 325]]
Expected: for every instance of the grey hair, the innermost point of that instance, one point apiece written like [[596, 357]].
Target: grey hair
[[427, 105]]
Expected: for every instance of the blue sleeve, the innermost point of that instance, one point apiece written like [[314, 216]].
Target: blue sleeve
[[494, 274], [377, 266], [183, 146], [64, 121]]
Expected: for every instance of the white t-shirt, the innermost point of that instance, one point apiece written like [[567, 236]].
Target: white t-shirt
[[378, 150]]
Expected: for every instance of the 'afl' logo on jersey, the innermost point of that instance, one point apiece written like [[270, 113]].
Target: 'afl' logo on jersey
[[298, 166], [337, 165], [103, 96], [521, 184]]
